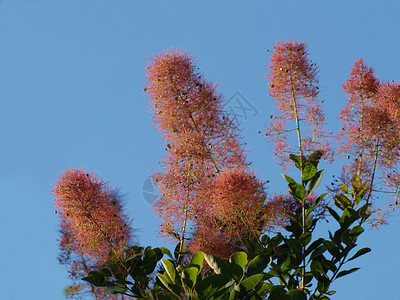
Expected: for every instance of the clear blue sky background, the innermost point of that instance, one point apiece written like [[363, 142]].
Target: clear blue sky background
[[71, 92]]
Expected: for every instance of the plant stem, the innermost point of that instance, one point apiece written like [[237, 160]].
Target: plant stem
[[87, 269], [186, 215], [373, 168], [303, 212]]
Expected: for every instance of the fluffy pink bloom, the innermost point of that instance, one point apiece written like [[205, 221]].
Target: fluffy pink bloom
[[389, 97], [238, 210], [201, 139], [238, 200], [209, 240], [92, 219], [293, 84], [370, 136]]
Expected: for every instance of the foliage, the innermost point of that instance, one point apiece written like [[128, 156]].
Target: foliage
[[270, 268], [220, 213]]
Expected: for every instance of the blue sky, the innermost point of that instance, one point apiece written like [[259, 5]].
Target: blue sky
[[71, 94]]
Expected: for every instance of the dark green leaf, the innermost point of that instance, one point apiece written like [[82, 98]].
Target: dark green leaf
[[289, 179], [360, 252], [365, 211], [169, 269], [305, 238], [239, 258], [189, 276], [342, 201], [275, 241], [308, 172], [315, 157], [356, 231], [166, 282], [116, 289], [167, 252], [316, 268], [332, 248], [333, 214], [250, 282], [219, 265], [296, 294], [295, 246], [278, 293], [258, 264], [346, 272], [313, 246], [315, 181], [197, 260], [211, 284], [298, 161], [297, 191]]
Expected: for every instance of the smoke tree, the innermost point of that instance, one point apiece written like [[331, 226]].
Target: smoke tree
[[220, 214]]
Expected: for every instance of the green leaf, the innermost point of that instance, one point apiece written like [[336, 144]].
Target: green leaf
[[197, 260], [296, 294], [297, 191], [278, 293], [264, 239], [97, 278], [315, 181], [150, 259], [348, 217], [315, 157], [295, 246], [316, 268], [211, 284], [342, 201], [250, 282], [167, 252], [313, 246], [166, 282], [219, 265], [333, 213], [169, 269], [332, 248], [275, 241], [177, 254], [116, 289], [356, 231], [344, 188], [346, 272], [360, 252], [308, 172], [317, 201], [345, 238], [239, 258], [289, 179], [189, 276], [365, 211], [258, 264], [298, 161]]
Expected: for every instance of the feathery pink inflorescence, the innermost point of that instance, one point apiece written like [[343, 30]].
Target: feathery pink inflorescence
[[237, 199], [369, 128], [202, 139], [203, 145], [92, 221], [293, 84], [370, 136]]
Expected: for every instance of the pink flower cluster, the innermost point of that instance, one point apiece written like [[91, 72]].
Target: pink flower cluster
[[92, 220], [293, 84], [205, 159], [370, 135]]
